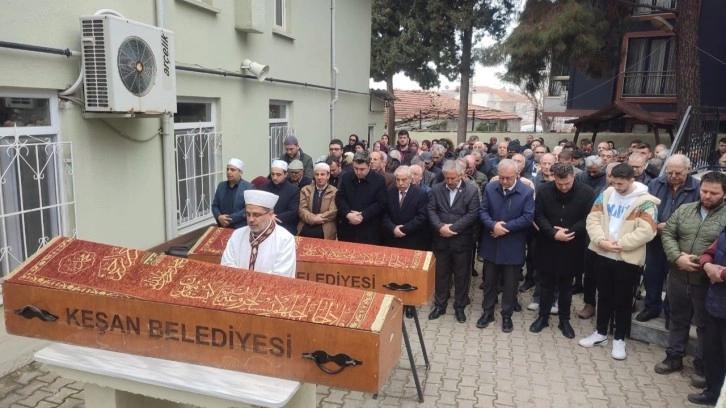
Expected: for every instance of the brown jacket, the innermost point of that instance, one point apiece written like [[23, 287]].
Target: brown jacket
[[328, 209]]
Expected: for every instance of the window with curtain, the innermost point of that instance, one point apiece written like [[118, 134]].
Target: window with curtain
[[650, 67]]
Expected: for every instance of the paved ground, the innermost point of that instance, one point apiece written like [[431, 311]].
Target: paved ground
[[469, 368]]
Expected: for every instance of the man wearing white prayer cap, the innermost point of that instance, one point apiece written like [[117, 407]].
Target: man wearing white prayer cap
[[228, 206], [286, 209], [262, 245]]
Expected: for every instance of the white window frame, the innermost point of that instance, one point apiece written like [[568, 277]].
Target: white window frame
[[213, 143], [21, 149], [280, 128], [284, 30]]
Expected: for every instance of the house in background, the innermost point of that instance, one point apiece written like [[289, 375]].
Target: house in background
[[141, 181], [641, 95], [505, 101], [429, 110]]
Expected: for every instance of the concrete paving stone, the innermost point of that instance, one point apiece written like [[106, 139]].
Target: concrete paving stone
[[329, 405], [30, 388], [57, 384], [32, 399], [447, 397], [431, 390], [10, 398], [28, 375], [72, 403], [60, 395], [48, 377], [450, 384], [466, 393], [336, 396], [595, 392], [505, 398]]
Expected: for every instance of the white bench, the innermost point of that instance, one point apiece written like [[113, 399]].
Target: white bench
[[117, 380]]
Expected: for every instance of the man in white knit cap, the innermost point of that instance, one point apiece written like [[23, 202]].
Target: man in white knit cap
[[262, 245]]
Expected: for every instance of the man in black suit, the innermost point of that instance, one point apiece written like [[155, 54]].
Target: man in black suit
[[405, 222], [453, 210], [361, 201]]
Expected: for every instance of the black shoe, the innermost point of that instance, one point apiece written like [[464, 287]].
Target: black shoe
[[669, 365], [484, 320], [527, 285], [646, 315], [437, 312], [474, 272], [566, 329], [702, 399], [698, 381], [507, 325], [517, 307], [539, 324], [460, 316], [577, 289], [410, 311]]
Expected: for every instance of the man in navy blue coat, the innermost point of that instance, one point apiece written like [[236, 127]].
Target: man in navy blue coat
[[287, 207], [507, 212], [228, 206]]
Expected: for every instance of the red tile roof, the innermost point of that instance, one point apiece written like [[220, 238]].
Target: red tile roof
[[502, 94], [411, 105]]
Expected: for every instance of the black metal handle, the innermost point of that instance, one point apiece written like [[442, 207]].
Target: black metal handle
[[342, 360], [405, 287], [30, 311]]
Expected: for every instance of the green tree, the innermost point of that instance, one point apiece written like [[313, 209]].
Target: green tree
[[455, 25], [400, 43]]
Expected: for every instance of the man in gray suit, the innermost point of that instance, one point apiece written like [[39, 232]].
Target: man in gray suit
[[453, 211]]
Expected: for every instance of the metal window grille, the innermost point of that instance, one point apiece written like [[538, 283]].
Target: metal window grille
[[278, 132], [37, 200], [697, 136], [198, 170]]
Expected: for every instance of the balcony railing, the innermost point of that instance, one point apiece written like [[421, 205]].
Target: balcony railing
[[644, 10], [557, 88], [650, 83]]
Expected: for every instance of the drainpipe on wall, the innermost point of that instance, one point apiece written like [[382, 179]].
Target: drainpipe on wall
[[334, 70], [167, 153]]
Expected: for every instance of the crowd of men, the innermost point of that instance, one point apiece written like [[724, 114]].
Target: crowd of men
[[601, 221]]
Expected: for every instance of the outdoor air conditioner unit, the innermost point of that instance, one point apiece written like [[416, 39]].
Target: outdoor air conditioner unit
[[128, 67]]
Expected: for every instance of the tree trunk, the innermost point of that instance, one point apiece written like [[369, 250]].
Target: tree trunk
[[391, 119], [465, 74], [688, 60]]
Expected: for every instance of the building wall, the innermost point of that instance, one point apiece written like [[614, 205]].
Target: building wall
[[119, 184]]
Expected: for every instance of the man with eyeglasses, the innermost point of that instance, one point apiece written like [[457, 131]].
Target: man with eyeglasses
[[638, 162], [261, 246], [675, 188], [335, 149]]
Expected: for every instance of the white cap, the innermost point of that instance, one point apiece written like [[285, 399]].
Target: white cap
[[261, 198], [279, 164], [322, 166], [236, 163]]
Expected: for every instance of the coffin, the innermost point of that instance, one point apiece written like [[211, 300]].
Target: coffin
[[404, 273], [131, 301]]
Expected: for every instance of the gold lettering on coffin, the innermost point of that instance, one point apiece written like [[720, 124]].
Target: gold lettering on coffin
[[194, 287], [76, 262], [158, 279], [258, 301], [115, 265], [310, 253]]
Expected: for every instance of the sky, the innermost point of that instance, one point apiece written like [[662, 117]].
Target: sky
[[483, 76]]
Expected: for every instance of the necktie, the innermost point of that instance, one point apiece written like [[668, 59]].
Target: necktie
[[506, 192], [403, 195]]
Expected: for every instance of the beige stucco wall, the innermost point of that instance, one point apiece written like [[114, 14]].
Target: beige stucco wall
[[119, 183]]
